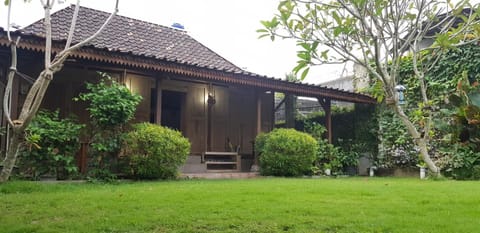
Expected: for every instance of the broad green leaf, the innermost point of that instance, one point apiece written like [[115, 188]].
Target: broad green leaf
[[305, 46], [303, 55], [300, 65], [304, 73], [263, 35], [262, 30], [474, 98]]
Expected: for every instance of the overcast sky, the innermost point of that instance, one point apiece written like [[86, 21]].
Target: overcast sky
[[225, 26]]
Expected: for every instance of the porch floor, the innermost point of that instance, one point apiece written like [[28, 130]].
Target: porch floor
[[221, 175]]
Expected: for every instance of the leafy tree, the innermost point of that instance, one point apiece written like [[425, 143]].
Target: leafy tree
[[111, 103], [376, 35], [111, 107], [37, 91]]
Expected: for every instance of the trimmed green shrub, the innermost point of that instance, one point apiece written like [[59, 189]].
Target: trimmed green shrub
[[287, 152], [50, 146], [155, 152]]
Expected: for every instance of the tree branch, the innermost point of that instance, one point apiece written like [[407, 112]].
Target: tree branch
[[48, 35], [72, 25], [8, 88], [60, 58]]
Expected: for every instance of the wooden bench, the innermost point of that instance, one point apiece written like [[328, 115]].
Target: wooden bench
[[222, 161]]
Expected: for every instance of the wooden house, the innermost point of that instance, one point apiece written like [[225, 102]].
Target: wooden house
[[184, 85]]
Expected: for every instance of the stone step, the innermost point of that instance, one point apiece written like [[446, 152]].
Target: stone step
[[194, 168], [194, 159]]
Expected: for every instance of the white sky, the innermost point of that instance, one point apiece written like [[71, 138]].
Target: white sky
[[228, 27]]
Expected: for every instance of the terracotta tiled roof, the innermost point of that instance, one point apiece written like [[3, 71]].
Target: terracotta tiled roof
[[133, 36]]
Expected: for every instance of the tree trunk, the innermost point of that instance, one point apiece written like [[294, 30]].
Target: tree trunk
[[11, 156], [420, 142], [36, 93]]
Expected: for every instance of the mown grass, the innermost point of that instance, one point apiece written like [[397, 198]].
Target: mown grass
[[254, 205]]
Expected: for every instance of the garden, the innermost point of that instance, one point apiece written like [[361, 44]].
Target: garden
[[120, 149], [307, 183]]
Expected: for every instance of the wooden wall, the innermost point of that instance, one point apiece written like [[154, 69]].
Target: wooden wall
[[142, 85], [234, 114]]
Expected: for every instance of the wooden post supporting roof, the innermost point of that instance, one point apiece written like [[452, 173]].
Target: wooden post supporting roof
[[259, 113], [289, 111], [258, 100], [327, 107], [158, 107]]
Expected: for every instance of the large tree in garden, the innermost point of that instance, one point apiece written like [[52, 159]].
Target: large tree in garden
[[376, 34], [37, 91]]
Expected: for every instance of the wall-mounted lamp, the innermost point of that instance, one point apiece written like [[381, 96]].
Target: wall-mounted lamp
[[400, 95], [211, 94]]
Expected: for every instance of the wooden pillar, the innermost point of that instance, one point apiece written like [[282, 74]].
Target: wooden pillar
[[289, 111], [272, 115], [210, 102], [259, 113], [158, 108], [326, 104], [258, 99], [82, 160], [209, 127]]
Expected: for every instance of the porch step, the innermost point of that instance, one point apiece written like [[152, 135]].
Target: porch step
[[220, 162]]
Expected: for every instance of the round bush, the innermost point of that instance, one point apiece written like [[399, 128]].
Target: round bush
[[287, 152], [155, 152]]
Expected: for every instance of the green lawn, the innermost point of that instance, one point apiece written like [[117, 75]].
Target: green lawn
[[253, 205]]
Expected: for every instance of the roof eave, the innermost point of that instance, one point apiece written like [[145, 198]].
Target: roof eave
[[36, 44]]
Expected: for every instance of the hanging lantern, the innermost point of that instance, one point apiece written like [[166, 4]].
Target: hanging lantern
[[400, 95], [211, 94]]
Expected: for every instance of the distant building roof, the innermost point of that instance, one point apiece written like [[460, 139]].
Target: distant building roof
[[342, 83]]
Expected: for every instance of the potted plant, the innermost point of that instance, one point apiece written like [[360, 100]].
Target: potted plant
[[327, 168], [371, 171], [423, 167]]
